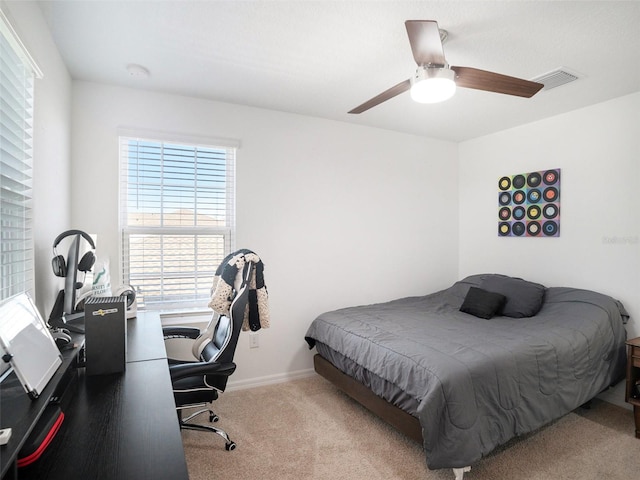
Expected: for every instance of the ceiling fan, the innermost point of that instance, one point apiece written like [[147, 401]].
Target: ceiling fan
[[434, 81]]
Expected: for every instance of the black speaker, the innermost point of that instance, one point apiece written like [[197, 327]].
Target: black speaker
[[86, 262], [105, 328]]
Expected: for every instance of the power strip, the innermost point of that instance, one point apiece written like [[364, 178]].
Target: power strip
[[5, 435]]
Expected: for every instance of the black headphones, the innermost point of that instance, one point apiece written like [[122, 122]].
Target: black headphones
[[86, 262]]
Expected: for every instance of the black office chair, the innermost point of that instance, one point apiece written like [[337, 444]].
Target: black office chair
[[198, 383]]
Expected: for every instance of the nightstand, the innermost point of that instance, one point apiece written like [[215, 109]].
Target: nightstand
[[632, 394]]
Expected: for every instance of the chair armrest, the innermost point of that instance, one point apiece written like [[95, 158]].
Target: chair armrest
[[200, 368], [180, 332]]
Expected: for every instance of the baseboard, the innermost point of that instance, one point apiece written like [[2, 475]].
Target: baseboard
[[615, 395], [269, 379]]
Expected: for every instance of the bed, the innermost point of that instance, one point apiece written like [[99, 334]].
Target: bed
[[468, 368]]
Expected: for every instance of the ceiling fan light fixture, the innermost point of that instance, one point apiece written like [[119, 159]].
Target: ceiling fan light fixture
[[433, 84]]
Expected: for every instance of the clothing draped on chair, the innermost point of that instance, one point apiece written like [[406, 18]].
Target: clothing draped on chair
[[239, 301], [256, 314]]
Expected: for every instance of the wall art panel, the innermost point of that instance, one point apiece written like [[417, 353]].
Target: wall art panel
[[529, 204]]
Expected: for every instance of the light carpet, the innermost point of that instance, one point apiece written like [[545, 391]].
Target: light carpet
[[307, 429]]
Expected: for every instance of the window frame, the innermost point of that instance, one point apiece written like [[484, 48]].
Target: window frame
[[228, 230], [16, 168]]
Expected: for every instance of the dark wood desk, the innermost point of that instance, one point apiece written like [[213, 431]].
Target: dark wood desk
[[20, 413], [144, 338], [123, 425]]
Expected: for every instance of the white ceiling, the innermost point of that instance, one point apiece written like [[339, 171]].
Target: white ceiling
[[322, 58]]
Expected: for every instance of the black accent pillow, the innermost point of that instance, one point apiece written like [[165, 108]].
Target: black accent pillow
[[482, 303], [524, 299]]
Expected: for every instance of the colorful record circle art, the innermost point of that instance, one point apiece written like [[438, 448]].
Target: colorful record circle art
[[534, 195], [518, 181], [550, 228], [529, 204], [504, 183], [519, 212], [518, 228], [533, 212], [504, 198], [533, 229], [550, 194], [551, 177], [534, 179], [519, 197], [550, 211]]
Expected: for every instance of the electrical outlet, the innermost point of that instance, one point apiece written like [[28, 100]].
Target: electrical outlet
[[254, 340]]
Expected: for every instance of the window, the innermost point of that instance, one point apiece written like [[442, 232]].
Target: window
[[177, 218], [17, 72]]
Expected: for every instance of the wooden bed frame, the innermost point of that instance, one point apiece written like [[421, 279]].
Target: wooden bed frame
[[394, 416], [401, 420]]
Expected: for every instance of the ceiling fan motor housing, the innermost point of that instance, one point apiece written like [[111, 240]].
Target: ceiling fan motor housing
[[432, 84]]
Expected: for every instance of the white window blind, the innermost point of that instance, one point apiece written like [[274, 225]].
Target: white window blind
[[17, 72], [177, 219]]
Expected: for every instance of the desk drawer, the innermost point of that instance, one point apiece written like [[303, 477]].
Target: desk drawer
[[635, 361]]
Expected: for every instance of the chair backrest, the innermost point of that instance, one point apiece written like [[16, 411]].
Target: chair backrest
[[205, 337], [218, 342]]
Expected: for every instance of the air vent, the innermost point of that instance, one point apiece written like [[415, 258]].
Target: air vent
[[556, 78]]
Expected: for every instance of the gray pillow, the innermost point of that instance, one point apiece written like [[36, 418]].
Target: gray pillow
[[481, 303], [524, 299]]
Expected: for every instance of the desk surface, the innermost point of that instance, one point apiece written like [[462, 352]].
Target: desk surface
[[19, 412], [119, 426], [122, 425], [144, 338]]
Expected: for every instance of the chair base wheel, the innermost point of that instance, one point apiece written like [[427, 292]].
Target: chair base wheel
[[229, 444]]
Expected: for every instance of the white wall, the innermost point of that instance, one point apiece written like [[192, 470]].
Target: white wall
[[598, 150], [51, 150], [344, 214], [340, 214]]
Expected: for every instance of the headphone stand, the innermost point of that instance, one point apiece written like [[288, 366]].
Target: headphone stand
[[63, 322]]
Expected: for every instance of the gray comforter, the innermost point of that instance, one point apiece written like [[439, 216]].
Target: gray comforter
[[479, 383]]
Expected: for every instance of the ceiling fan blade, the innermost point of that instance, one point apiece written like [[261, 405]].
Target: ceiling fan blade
[[383, 97], [468, 77], [424, 37]]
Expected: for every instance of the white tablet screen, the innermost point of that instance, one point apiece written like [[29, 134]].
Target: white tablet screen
[[25, 338]]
